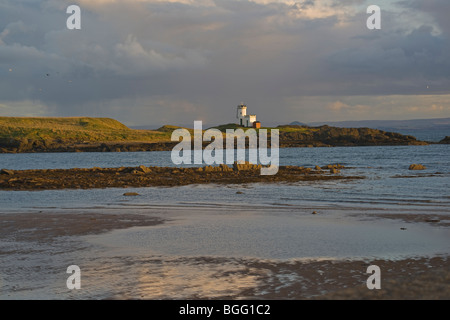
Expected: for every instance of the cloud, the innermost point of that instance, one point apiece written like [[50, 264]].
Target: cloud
[[131, 58], [12, 29], [387, 107], [338, 106], [433, 109], [206, 56], [26, 108]]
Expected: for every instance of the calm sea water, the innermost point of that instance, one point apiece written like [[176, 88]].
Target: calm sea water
[[436, 134], [388, 183]]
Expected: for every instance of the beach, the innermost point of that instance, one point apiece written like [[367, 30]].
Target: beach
[[37, 248], [206, 234]]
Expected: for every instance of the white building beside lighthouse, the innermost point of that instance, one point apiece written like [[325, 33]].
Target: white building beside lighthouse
[[245, 119]]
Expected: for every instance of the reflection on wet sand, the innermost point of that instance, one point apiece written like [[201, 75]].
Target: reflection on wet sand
[[228, 278], [178, 279], [37, 248]]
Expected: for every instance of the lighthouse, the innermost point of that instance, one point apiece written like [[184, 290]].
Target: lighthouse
[[244, 119]]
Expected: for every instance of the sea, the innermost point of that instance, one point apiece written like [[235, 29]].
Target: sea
[[381, 216]]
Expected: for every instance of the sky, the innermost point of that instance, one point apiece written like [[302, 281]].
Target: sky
[[155, 62]]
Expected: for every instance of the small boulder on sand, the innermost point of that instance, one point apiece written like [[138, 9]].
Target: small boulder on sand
[[131, 194], [417, 167]]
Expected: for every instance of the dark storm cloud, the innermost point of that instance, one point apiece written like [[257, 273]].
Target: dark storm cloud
[[188, 59]]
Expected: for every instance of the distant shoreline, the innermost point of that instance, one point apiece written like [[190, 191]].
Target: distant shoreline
[[29, 135], [168, 146]]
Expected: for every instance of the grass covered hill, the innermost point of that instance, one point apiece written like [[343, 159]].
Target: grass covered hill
[[73, 129], [104, 134], [47, 134]]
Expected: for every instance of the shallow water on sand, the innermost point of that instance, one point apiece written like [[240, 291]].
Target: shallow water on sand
[[277, 234], [204, 252]]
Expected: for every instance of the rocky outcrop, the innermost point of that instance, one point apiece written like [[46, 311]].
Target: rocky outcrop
[[334, 166], [220, 168], [238, 166], [145, 170], [446, 140], [7, 172], [332, 136], [417, 167], [125, 177]]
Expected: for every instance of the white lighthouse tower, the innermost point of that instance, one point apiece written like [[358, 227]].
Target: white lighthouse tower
[[241, 113], [244, 119]]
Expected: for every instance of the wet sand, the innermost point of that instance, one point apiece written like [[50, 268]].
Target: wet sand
[[49, 226], [38, 246]]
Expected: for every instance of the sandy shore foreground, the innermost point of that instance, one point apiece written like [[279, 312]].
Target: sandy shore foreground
[[45, 237]]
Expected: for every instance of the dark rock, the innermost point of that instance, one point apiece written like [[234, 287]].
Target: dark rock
[[6, 171], [446, 140]]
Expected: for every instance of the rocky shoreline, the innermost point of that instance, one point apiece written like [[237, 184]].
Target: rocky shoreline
[[290, 137], [143, 176]]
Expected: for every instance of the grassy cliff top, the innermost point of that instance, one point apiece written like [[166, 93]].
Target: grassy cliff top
[[74, 129]]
